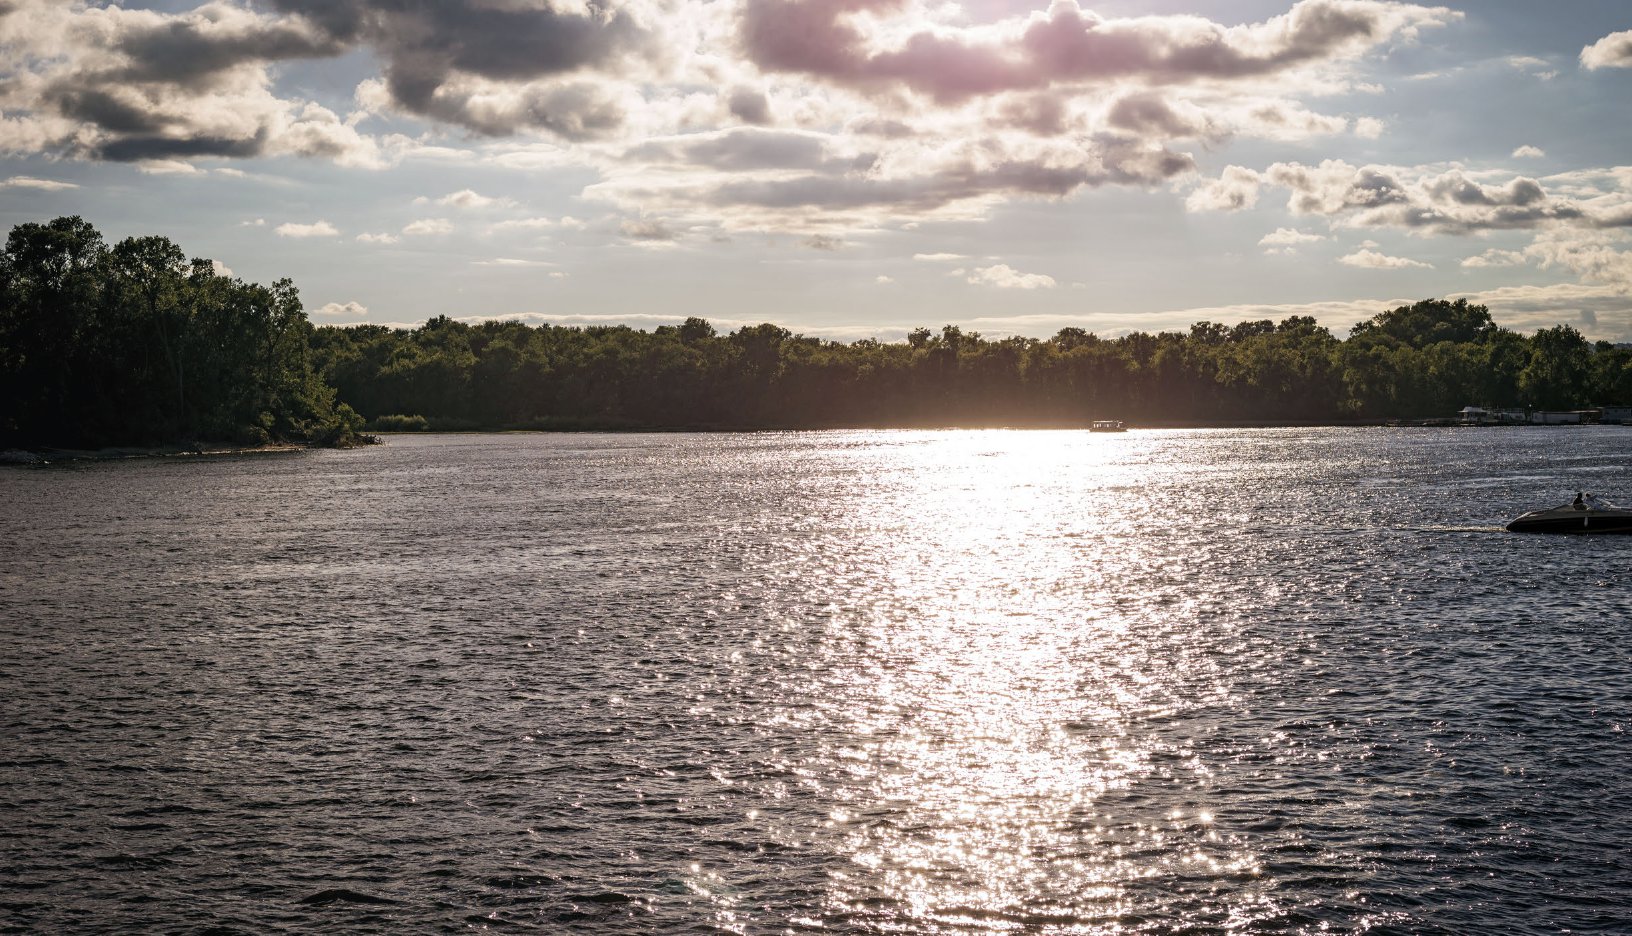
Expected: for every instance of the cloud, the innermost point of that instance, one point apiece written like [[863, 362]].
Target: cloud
[[1234, 190], [950, 64], [1288, 237], [1612, 51], [1369, 259], [428, 227], [1527, 308], [485, 66], [509, 262], [1494, 257], [1529, 152], [938, 257], [823, 242], [221, 269], [318, 229], [167, 167], [382, 238], [750, 106], [775, 181], [1004, 276], [1529, 64], [1594, 256], [43, 185], [1424, 200], [141, 86], [467, 198], [350, 310], [646, 230], [740, 150]]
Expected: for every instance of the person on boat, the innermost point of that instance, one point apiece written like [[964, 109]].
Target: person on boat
[[1580, 502]]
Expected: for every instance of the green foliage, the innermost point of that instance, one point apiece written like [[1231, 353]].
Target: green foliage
[[397, 422], [134, 344], [1426, 359]]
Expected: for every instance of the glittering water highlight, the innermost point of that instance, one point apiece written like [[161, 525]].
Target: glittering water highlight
[[890, 682]]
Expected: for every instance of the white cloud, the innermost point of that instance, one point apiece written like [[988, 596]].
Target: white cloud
[[1369, 128], [884, 280], [381, 238], [1595, 256], [167, 167], [466, 198], [1439, 200], [44, 185], [1369, 259], [509, 262], [649, 230], [1612, 51], [1529, 64], [937, 257], [1527, 308], [1529, 152], [1289, 237], [1003, 276], [1494, 257], [428, 227], [317, 229], [525, 224], [221, 269], [1234, 190], [349, 310]]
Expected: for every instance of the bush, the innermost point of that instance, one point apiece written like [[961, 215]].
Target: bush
[[399, 423]]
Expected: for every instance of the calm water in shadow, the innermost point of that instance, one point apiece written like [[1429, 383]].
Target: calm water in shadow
[[876, 682]]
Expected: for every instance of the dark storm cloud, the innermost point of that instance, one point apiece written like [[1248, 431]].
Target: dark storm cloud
[[189, 54], [140, 148], [426, 45], [109, 112]]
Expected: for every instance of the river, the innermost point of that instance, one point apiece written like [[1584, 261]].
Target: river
[[1246, 681]]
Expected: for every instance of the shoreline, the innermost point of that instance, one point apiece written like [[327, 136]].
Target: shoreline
[[24, 457], [53, 456]]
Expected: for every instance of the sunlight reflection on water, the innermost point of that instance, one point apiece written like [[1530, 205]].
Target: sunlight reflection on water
[[991, 723], [915, 682]]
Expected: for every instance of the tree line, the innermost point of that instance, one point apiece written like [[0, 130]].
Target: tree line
[[134, 343], [1427, 359]]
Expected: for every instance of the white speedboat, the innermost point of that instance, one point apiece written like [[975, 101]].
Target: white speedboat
[[1586, 514]]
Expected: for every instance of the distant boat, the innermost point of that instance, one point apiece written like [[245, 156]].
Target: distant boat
[[1586, 514], [1107, 425]]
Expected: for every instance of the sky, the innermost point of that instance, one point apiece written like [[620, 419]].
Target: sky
[[847, 168]]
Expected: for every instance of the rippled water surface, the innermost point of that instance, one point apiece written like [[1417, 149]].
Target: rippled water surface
[[962, 682]]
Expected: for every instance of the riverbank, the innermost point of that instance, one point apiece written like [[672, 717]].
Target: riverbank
[[50, 456]]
